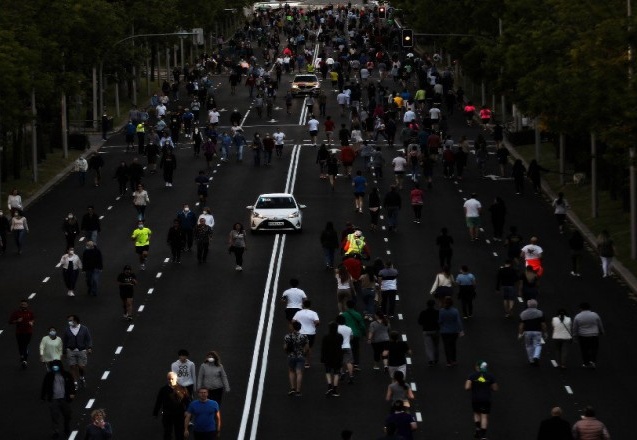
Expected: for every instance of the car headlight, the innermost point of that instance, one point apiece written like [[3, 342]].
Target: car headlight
[[294, 86], [294, 214], [255, 214]]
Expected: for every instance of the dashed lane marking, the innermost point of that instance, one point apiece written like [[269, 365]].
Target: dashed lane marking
[[166, 260], [73, 435], [141, 308], [495, 254], [400, 316], [382, 217], [105, 375], [459, 190], [158, 275], [46, 280], [118, 197], [386, 239], [101, 217], [388, 252], [397, 297], [481, 229], [90, 403], [413, 386], [383, 228], [82, 239], [130, 328], [568, 389], [408, 361], [418, 416], [404, 338], [150, 291], [487, 241], [554, 362], [109, 208], [119, 349], [32, 295], [520, 299], [1, 331]]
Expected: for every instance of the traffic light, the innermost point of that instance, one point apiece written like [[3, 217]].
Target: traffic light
[[407, 38], [382, 12]]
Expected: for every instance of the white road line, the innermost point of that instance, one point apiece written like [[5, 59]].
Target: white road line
[[82, 239], [413, 386], [166, 260], [101, 217], [73, 435], [383, 228], [397, 297], [118, 197], [386, 239], [90, 403], [520, 299], [141, 308], [105, 375], [464, 198], [158, 275], [408, 361], [388, 252], [568, 389], [130, 328], [495, 254], [554, 362], [32, 295], [109, 208], [481, 229], [542, 341], [459, 190], [1, 331], [400, 316], [244, 118], [119, 349], [58, 265], [46, 280], [151, 290], [382, 217], [487, 241], [418, 416], [404, 337]]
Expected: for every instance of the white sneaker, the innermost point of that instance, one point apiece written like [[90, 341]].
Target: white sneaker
[[573, 273], [70, 293], [238, 268]]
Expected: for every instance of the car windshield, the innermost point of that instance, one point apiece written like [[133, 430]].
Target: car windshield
[[305, 78], [275, 203]]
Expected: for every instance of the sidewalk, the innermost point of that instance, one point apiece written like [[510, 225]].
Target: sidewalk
[[626, 275]]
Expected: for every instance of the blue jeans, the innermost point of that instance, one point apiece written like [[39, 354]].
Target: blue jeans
[[92, 281], [91, 236], [239, 152], [533, 344], [368, 299], [392, 216], [328, 253]]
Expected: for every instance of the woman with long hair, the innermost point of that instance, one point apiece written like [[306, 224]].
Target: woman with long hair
[[373, 204], [213, 377], [237, 244], [443, 285], [606, 249], [562, 335], [398, 389], [343, 287], [378, 338]]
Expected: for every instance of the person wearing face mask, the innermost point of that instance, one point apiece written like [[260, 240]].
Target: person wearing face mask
[[78, 344], [50, 348], [4, 228], [23, 318], [213, 377], [141, 237], [59, 391], [172, 400], [207, 215], [187, 222], [71, 266], [71, 230], [19, 227], [203, 234], [92, 264]]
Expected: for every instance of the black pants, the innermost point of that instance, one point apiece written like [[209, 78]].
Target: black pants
[[355, 343], [175, 249], [173, 423], [61, 415], [449, 343], [202, 251], [238, 255], [23, 345], [445, 257], [589, 346], [388, 301], [189, 238], [467, 306], [519, 184], [216, 395]]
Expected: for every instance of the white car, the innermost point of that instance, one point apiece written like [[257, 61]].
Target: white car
[[276, 212]]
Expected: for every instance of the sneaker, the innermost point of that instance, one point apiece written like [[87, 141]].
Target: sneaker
[[238, 268], [142, 267], [298, 394], [83, 382], [70, 293], [125, 316], [573, 273], [75, 386], [329, 392], [335, 393], [24, 365], [292, 392]]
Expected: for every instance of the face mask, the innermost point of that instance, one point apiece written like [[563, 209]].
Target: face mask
[[71, 323], [55, 368], [70, 216], [52, 333], [140, 226], [71, 252], [186, 209], [211, 360]]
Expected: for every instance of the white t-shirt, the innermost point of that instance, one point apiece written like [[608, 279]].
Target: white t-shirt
[[294, 297], [213, 117], [342, 98], [346, 332], [313, 124], [278, 138], [307, 319], [399, 163], [409, 116], [210, 220], [532, 252], [434, 113], [473, 208]]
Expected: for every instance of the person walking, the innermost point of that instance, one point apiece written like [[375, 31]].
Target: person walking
[[506, 280], [187, 222], [202, 236], [561, 206], [555, 427], [91, 224], [309, 321], [20, 228], [529, 285], [293, 299], [50, 348], [99, 428], [532, 327], [127, 282], [354, 320], [168, 163], [443, 285], [378, 338], [589, 427], [213, 377], [81, 167], [58, 390], [185, 370], [562, 336], [329, 244], [176, 239], [237, 244], [140, 201], [296, 345], [587, 328], [396, 354], [95, 163], [482, 384], [606, 250], [576, 245], [416, 198], [498, 212], [5, 226], [388, 282], [92, 265], [141, 239], [360, 185], [450, 329], [23, 319], [445, 251], [332, 358], [466, 282], [400, 422], [368, 288], [518, 172], [472, 211], [172, 401], [428, 319], [399, 390], [71, 267], [373, 204], [71, 230], [122, 175], [344, 286], [532, 254], [78, 344]]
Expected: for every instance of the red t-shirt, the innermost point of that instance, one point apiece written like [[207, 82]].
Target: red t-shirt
[[354, 267], [329, 125], [347, 154]]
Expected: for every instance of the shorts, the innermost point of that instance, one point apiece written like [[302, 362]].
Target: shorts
[[359, 194], [310, 340], [508, 293], [313, 132], [485, 121], [130, 138], [141, 249], [399, 173], [289, 313], [329, 133], [76, 357], [401, 368], [343, 295], [473, 222], [348, 164], [348, 357], [296, 363], [125, 296], [481, 407], [332, 369]]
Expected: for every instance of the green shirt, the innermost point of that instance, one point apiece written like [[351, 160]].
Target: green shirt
[[354, 320], [141, 236]]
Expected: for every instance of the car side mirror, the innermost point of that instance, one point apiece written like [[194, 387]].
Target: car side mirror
[[302, 206], [250, 207]]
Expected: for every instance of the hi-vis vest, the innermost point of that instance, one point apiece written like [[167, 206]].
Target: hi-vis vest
[[354, 245], [140, 128]]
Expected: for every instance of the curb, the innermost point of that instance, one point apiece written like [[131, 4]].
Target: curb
[[626, 275]]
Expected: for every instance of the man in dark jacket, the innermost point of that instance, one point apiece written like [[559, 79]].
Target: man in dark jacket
[[92, 266], [91, 225], [428, 320], [172, 400], [555, 427], [392, 204], [187, 222], [59, 391]]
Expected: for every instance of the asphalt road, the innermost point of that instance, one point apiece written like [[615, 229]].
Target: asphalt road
[[213, 307]]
